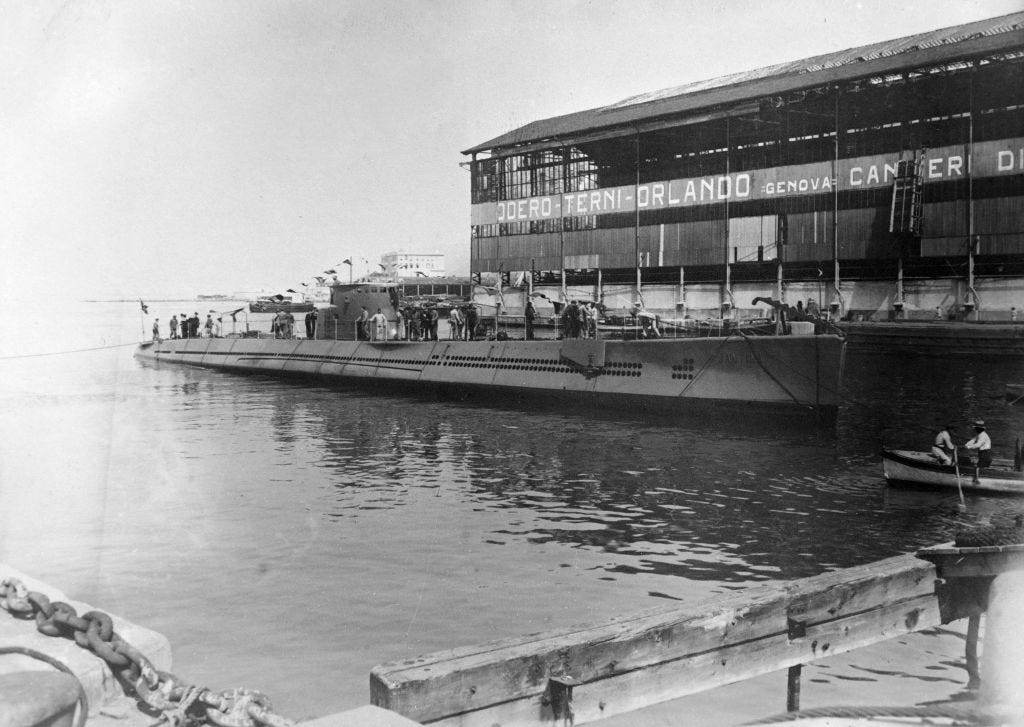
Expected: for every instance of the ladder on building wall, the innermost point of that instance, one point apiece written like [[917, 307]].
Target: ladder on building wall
[[907, 189]]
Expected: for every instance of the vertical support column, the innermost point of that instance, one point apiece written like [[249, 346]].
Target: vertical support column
[[1003, 657], [727, 291], [793, 688], [797, 628], [636, 220], [971, 305], [836, 305], [561, 231], [682, 288], [971, 651], [898, 303]]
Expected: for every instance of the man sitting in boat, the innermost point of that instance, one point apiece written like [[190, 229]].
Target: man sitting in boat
[[943, 447], [982, 443]]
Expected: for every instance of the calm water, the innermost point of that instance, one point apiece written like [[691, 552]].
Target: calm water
[[288, 537]]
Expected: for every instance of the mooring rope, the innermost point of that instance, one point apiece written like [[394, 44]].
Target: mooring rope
[[83, 700], [66, 352]]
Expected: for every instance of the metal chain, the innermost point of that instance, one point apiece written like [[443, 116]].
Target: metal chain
[[179, 704]]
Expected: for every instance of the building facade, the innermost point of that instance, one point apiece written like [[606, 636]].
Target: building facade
[[886, 177], [406, 264]]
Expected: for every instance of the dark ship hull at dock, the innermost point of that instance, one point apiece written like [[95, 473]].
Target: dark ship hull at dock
[[766, 371], [794, 373]]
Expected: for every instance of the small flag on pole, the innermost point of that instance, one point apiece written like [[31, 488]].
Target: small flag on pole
[[421, 273], [291, 291], [330, 272], [346, 261], [145, 308]]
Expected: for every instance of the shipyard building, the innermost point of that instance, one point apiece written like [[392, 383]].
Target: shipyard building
[[885, 180]]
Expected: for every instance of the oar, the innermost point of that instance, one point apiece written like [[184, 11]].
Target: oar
[[959, 485]]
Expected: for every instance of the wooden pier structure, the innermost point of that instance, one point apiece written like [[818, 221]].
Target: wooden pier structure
[[580, 675]]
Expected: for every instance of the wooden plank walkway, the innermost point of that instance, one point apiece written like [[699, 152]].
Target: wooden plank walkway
[[628, 663]]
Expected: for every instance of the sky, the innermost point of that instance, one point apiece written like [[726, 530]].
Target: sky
[[161, 149]]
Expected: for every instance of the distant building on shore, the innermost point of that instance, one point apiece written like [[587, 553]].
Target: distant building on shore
[[409, 264]]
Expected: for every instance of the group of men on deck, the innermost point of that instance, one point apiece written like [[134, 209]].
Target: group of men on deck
[[579, 319]]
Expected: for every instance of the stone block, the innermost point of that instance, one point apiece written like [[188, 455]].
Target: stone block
[[93, 672]]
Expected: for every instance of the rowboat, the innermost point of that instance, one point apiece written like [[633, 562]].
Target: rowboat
[[921, 468]]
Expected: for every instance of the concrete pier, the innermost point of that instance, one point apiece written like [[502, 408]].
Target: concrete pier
[[33, 693], [102, 690]]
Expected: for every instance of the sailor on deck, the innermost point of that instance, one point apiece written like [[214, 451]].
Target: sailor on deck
[[648, 322]]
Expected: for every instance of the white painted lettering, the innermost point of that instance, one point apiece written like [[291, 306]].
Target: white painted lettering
[[672, 200], [691, 192], [954, 166], [709, 186], [856, 176], [934, 168], [724, 187], [873, 174], [658, 195], [743, 185], [1004, 161], [641, 196]]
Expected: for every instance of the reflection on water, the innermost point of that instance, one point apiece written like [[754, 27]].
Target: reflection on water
[[335, 529]]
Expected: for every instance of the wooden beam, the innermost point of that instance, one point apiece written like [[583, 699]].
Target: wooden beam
[[631, 662]]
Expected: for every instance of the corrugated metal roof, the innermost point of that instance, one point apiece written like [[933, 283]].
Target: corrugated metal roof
[[953, 43]]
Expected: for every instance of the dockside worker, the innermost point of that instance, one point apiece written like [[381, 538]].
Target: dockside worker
[[529, 314], [471, 322], [432, 318], [362, 322], [454, 324], [156, 330], [311, 324], [174, 326], [943, 446], [380, 326]]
